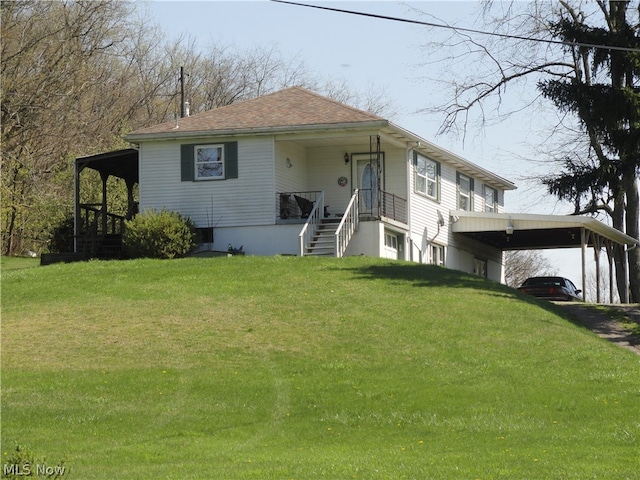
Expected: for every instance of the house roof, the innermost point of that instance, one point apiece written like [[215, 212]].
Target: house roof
[[525, 231], [295, 110], [288, 108]]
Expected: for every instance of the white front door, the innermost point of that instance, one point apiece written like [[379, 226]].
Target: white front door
[[367, 181]]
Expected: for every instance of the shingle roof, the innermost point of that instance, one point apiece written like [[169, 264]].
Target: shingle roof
[[291, 107]]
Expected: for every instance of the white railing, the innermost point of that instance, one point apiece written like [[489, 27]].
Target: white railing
[[348, 225], [311, 225]]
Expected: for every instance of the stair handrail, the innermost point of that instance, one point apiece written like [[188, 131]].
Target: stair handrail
[[311, 225], [348, 225]]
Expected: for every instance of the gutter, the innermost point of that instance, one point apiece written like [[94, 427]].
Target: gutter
[[456, 160], [176, 133]]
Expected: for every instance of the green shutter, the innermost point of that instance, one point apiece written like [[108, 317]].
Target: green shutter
[[471, 194], [187, 162], [438, 174], [231, 160], [187, 169]]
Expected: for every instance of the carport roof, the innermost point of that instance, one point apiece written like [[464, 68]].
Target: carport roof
[[532, 231]]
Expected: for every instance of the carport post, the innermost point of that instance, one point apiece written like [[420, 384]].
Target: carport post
[[596, 254], [104, 177], [610, 246], [76, 206], [625, 266], [583, 246]]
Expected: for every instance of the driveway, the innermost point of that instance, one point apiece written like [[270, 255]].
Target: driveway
[[605, 326]]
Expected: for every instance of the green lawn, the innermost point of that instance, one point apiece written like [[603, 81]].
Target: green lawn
[[305, 368]]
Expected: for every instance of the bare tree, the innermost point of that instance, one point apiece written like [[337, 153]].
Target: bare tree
[[522, 264], [78, 75], [49, 54], [571, 50]]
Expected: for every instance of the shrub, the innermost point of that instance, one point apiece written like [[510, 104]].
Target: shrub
[[161, 234], [61, 240]]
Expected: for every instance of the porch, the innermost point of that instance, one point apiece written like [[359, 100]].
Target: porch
[[98, 228], [295, 207], [329, 233]]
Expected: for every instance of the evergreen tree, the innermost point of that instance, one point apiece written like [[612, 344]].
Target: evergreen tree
[[605, 97]]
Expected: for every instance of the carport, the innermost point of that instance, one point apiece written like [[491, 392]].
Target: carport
[[522, 231]]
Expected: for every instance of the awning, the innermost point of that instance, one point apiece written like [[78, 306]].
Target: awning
[[522, 231], [119, 163]]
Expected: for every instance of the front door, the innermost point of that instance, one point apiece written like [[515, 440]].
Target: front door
[[367, 179]]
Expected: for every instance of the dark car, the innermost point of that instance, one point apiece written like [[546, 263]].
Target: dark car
[[551, 288]]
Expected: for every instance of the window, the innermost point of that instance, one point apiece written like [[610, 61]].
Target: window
[[465, 192], [490, 199], [427, 177], [436, 254], [209, 162], [391, 240], [480, 267]]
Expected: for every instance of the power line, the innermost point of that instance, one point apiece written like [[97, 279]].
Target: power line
[[462, 29]]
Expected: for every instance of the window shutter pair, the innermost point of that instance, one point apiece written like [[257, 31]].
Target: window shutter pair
[[187, 162]]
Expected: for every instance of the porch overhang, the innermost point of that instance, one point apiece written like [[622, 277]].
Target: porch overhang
[[119, 163]]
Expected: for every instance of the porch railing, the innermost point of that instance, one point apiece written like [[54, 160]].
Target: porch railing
[[100, 232], [295, 205], [378, 203], [311, 225], [393, 206], [348, 225], [104, 223]]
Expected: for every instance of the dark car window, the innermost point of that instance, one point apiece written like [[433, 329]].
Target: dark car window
[[542, 281]]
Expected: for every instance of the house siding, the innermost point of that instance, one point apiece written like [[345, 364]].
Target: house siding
[[460, 251], [424, 212], [290, 176], [326, 166], [247, 200]]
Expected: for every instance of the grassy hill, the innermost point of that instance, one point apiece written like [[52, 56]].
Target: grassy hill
[[305, 368]]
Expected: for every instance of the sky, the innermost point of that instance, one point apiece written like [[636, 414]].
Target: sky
[[389, 55]]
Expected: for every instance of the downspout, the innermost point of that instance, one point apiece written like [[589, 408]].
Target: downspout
[[409, 157]]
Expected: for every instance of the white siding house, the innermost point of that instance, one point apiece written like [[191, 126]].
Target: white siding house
[[248, 168]]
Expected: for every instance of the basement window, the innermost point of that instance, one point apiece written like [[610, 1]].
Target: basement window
[[480, 267], [391, 241], [436, 254]]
